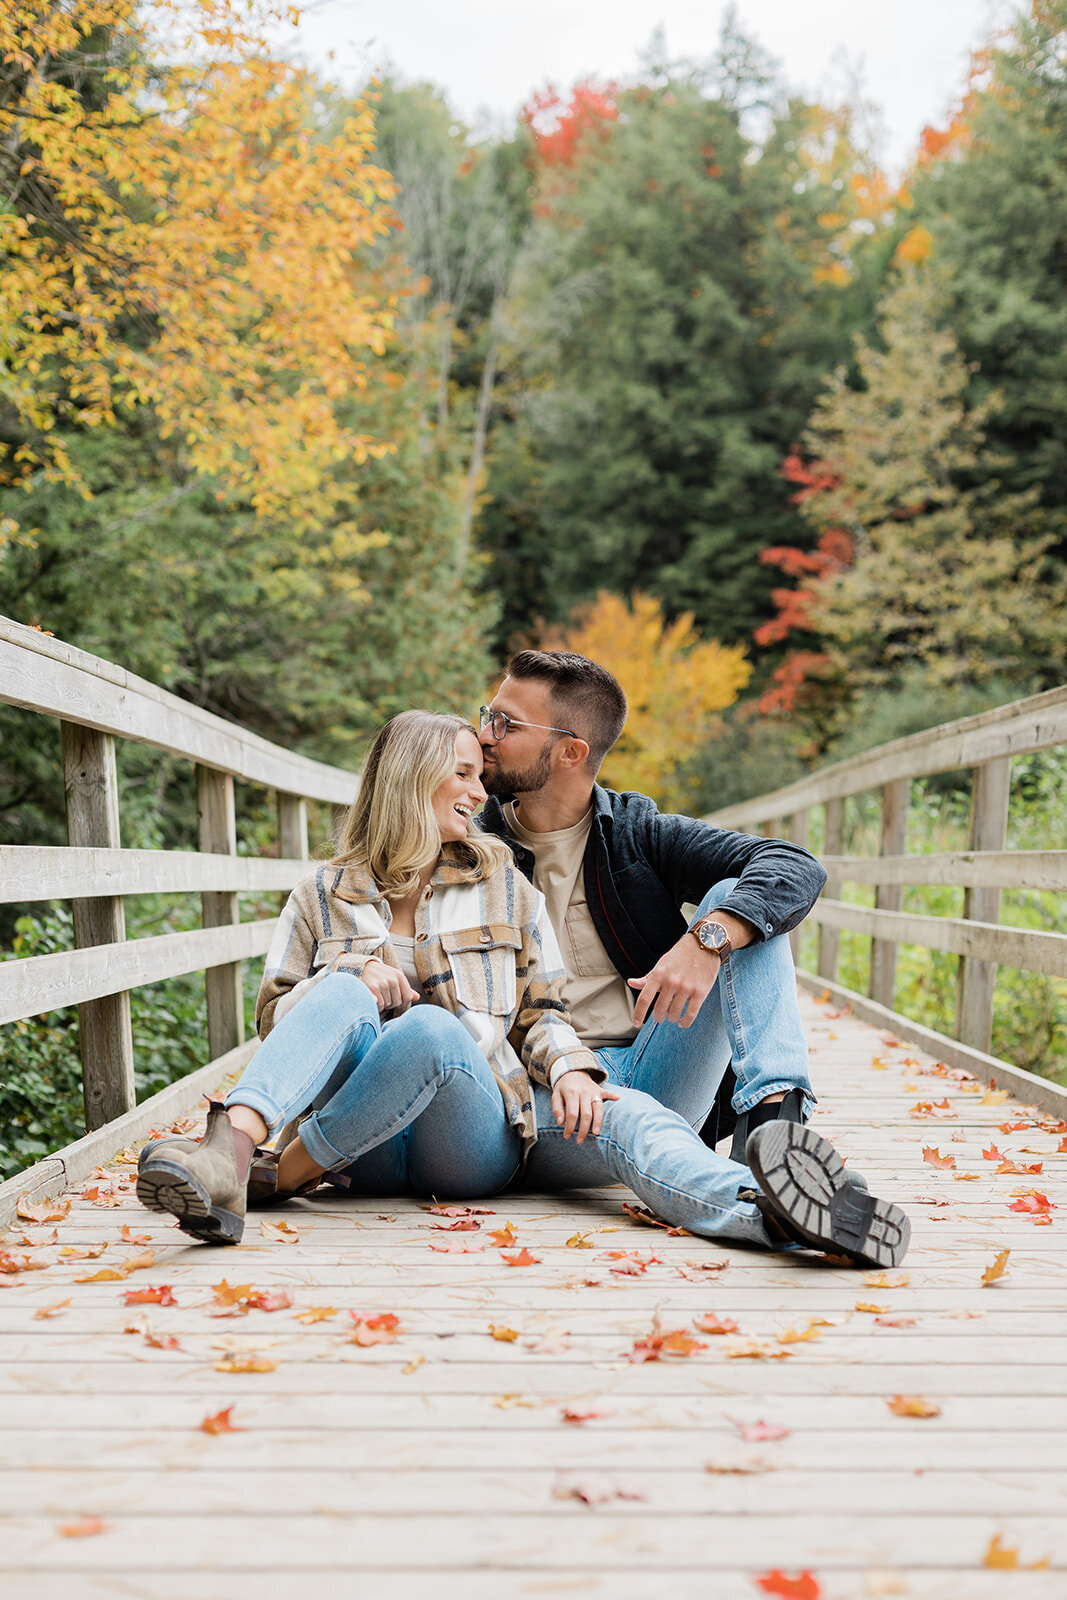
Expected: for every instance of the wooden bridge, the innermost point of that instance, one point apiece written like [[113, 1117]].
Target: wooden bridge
[[370, 1394]]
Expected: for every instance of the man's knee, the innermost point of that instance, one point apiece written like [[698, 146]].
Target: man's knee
[[717, 894]]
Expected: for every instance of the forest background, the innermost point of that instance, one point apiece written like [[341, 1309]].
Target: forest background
[[312, 407]]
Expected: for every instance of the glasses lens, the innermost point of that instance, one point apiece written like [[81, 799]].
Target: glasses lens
[[500, 725], [485, 717]]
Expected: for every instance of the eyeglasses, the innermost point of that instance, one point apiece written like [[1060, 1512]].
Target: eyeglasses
[[499, 722]]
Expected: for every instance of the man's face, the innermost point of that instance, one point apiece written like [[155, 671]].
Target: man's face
[[521, 762]]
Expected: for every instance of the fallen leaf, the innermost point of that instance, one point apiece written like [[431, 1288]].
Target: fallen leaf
[[458, 1211], [139, 1263], [553, 1342], [709, 1322], [105, 1275], [315, 1314], [461, 1225], [701, 1271], [1061, 1148], [522, 1258], [227, 1294], [912, 1405], [759, 1431], [795, 1336], [134, 1238], [369, 1328], [278, 1232], [934, 1158], [159, 1296], [459, 1247], [996, 1268], [221, 1423], [505, 1236], [649, 1218], [161, 1341], [594, 1488], [586, 1411], [505, 1335], [886, 1280], [897, 1322], [932, 1200], [1033, 1203], [82, 1252], [993, 1154], [50, 1311], [879, 1064], [966, 1177], [508, 1402], [801, 1587], [755, 1350], [83, 1529], [1014, 1127], [245, 1363], [42, 1210], [580, 1241], [998, 1554], [661, 1342], [740, 1469], [994, 1097], [870, 1307], [413, 1365]]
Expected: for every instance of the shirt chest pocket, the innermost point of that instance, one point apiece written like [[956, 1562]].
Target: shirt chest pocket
[[483, 966], [357, 944]]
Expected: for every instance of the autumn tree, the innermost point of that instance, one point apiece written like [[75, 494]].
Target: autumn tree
[[675, 684], [922, 558]]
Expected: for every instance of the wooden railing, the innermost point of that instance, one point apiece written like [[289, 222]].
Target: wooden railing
[[96, 703], [986, 744]]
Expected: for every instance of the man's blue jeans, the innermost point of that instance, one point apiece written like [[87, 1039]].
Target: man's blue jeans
[[750, 1020], [411, 1106]]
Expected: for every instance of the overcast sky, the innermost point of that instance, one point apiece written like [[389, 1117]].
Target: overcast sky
[[490, 55]]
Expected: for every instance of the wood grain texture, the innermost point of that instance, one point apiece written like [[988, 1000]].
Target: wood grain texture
[[435, 1464], [31, 872]]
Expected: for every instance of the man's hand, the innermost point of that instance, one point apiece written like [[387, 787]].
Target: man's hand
[[578, 1104], [389, 987], [680, 981]]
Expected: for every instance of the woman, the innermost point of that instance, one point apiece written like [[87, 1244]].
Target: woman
[[413, 1000]]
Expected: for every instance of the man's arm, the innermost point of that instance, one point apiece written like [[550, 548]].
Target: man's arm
[[685, 975]]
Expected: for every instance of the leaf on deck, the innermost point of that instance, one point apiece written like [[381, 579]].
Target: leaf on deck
[[315, 1314], [934, 1158], [886, 1280], [710, 1322], [760, 1431], [999, 1554], [586, 1411], [51, 1311], [580, 1241], [803, 1586], [505, 1335], [42, 1210], [85, 1529], [594, 1488], [381, 1327], [221, 1422], [913, 1405], [128, 1237], [279, 1232], [160, 1295], [245, 1363], [521, 1258]]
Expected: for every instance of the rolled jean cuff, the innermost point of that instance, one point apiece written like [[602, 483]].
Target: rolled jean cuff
[[319, 1148], [745, 1102], [273, 1115]]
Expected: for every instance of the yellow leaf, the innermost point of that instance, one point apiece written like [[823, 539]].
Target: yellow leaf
[[913, 1405], [505, 1335], [580, 1241], [248, 1363], [996, 1269]]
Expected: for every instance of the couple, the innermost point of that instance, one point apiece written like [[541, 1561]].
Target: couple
[[420, 1019]]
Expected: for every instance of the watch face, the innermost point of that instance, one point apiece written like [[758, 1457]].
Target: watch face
[[713, 936]]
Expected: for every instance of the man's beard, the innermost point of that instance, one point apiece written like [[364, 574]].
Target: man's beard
[[504, 781]]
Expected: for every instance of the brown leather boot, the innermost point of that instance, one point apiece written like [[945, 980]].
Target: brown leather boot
[[198, 1185]]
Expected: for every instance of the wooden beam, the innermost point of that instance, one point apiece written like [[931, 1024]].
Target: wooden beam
[[37, 984], [799, 830], [218, 834], [46, 675], [293, 826], [1024, 948], [106, 1034], [31, 872], [883, 974], [990, 795], [829, 938], [961, 869]]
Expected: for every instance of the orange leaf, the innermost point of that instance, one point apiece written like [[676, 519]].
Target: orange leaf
[[83, 1529], [710, 1323], [1033, 1202], [505, 1335], [246, 1363], [755, 1350], [105, 1275], [221, 1423], [912, 1405], [505, 1236], [993, 1154], [580, 1241], [886, 1280], [139, 1263], [934, 1158], [460, 1211], [50, 1311], [374, 1328], [159, 1296], [869, 1306], [230, 1294], [522, 1258], [998, 1554], [315, 1314], [42, 1210], [278, 1232], [161, 1341], [274, 1300], [802, 1587], [134, 1238]]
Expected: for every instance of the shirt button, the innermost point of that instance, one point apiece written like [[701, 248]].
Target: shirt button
[[485, 938], [419, 937]]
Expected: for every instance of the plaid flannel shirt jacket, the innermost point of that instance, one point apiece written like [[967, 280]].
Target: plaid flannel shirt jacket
[[484, 950]]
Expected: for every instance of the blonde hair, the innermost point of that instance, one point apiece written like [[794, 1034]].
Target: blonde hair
[[390, 826]]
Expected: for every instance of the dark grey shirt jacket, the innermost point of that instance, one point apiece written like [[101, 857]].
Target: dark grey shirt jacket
[[642, 865]]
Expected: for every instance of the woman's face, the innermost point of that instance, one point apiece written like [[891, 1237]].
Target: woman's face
[[461, 794]]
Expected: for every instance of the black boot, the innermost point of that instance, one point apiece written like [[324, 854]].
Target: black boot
[[789, 1109]]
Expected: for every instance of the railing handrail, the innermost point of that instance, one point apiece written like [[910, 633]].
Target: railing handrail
[[1037, 723], [97, 701], [42, 674]]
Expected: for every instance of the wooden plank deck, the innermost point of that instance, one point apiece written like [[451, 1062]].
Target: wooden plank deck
[[441, 1464]]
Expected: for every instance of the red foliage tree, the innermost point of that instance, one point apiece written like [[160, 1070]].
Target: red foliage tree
[[559, 126]]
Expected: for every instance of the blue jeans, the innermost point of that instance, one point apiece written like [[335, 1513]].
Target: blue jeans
[[750, 1020], [660, 1157], [408, 1106]]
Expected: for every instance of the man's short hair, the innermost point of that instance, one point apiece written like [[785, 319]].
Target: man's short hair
[[585, 697]]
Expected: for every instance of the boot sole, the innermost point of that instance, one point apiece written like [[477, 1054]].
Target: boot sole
[[166, 1186], [804, 1179]]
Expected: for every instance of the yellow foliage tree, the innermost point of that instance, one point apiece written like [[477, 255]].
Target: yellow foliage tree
[[174, 235], [674, 681]]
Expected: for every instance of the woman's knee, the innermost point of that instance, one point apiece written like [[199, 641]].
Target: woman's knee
[[430, 1028], [346, 994]]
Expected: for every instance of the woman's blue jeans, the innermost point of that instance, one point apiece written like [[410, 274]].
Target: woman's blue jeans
[[411, 1106], [408, 1106]]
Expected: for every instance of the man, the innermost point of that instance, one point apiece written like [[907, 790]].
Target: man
[[667, 1004], [719, 987]]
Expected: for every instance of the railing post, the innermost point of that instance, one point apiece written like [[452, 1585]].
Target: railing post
[[798, 834], [830, 938], [90, 777], [292, 827], [218, 836], [990, 793], [895, 797]]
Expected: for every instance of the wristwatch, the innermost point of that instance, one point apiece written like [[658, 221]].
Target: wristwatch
[[711, 935]]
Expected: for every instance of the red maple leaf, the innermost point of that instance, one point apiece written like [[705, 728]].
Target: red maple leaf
[[158, 1296], [803, 1587], [521, 1258]]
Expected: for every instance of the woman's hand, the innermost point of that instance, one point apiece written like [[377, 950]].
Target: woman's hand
[[389, 987], [578, 1104]]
